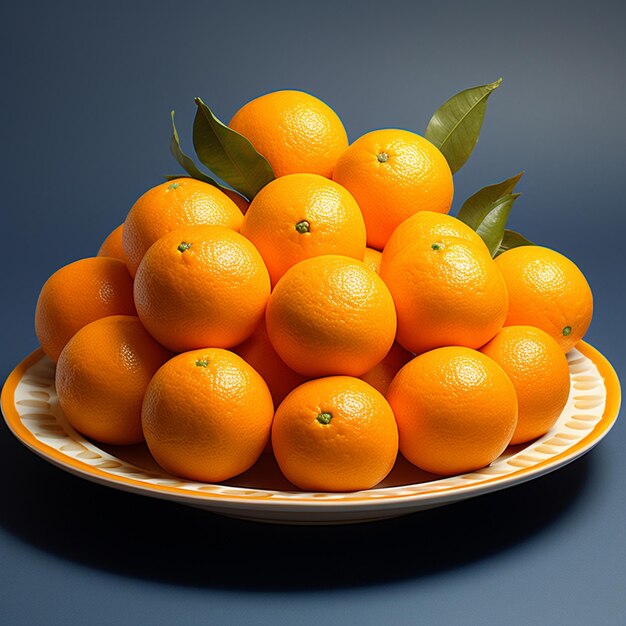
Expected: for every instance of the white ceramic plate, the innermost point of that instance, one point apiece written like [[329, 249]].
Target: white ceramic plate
[[31, 410]]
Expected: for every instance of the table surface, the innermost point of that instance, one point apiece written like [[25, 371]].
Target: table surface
[[85, 123]]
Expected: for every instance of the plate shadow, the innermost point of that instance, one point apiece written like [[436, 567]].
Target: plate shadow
[[161, 541]]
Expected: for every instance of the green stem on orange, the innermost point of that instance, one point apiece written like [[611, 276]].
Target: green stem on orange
[[303, 227], [324, 418]]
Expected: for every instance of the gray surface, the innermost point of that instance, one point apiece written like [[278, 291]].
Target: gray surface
[[87, 92]]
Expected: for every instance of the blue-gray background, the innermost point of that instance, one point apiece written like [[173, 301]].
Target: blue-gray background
[[87, 89]]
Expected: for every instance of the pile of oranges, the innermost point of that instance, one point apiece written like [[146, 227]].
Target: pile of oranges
[[339, 317]]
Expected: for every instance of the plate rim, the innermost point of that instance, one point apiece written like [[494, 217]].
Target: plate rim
[[353, 501]]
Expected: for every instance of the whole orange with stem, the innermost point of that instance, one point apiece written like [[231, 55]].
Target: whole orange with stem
[[393, 174], [300, 216], [427, 224], [112, 245], [536, 365], [102, 376], [373, 258], [295, 131], [381, 375], [548, 291], [447, 291], [170, 205], [79, 293], [258, 351], [207, 415], [201, 286], [456, 410], [335, 434], [331, 315]]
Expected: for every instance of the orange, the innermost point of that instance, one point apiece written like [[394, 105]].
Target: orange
[[393, 174], [180, 202], [381, 375], [372, 258], [112, 245], [456, 410], [331, 315], [207, 415], [102, 375], [335, 434], [447, 291], [548, 291], [238, 199], [77, 294], [258, 352], [539, 371], [427, 224], [301, 216], [294, 131], [201, 286]]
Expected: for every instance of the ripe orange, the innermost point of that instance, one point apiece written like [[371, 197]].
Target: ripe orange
[[294, 131], [372, 258], [201, 286], [238, 199], [539, 371], [548, 291], [180, 202], [112, 245], [331, 315], [430, 225], [102, 375], [207, 415], [259, 352], [393, 174], [335, 434], [456, 410], [301, 216], [77, 294], [447, 291], [381, 375]]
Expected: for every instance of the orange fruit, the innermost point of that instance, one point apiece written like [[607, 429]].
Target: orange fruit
[[201, 286], [393, 174], [259, 352], [238, 199], [456, 410], [372, 258], [427, 224], [294, 131], [335, 434], [548, 291], [301, 216], [381, 375], [207, 415], [77, 294], [447, 291], [539, 371], [112, 245], [331, 315], [102, 375], [180, 202]]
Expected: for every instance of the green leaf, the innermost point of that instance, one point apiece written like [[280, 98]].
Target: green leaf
[[455, 126], [476, 206], [186, 162], [491, 227], [228, 154], [512, 239]]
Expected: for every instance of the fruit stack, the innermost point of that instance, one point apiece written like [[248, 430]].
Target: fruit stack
[[319, 304]]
